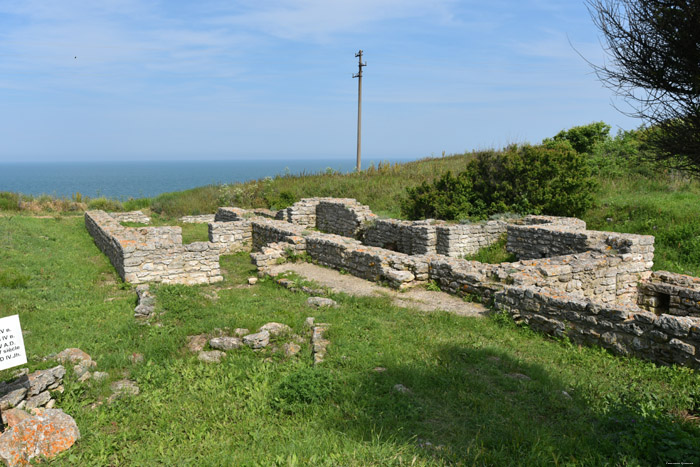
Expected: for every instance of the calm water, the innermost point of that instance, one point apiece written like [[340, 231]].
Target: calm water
[[123, 180]]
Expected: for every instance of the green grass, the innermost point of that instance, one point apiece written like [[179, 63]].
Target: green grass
[[495, 253], [665, 207], [258, 408]]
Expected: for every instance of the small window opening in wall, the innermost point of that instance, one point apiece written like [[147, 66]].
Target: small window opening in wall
[[663, 302]]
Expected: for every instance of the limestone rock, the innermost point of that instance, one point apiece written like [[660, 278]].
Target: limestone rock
[[100, 375], [401, 388], [39, 400], [146, 302], [258, 340], [320, 302], [196, 343], [41, 380], [252, 280], [123, 387], [519, 376], [45, 434], [291, 349], [12, 398], [240, 332], [83, 367], [212, 356], [72, 355], [225, 343], [275, 329]]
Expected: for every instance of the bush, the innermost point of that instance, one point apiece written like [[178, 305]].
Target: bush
[[105, 204], [551, 178], [9, 201], [584, 138]]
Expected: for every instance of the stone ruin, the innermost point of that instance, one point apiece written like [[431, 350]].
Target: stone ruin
[[594, 287]]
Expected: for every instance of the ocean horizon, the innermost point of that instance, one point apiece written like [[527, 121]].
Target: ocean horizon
[[144, 179]]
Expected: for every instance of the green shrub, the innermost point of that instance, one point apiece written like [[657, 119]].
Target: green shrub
[[9, 201], [132, 204], [584, 138], [551, 178], [105, 204]]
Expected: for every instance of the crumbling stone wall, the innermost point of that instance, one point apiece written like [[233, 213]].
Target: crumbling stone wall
[[344, 217], [153, 254], [545, 236], [302, 212], [674, 294], [410, 237], [457, 240], [624, 329], [266, 231], [137, 217], [231, 236]]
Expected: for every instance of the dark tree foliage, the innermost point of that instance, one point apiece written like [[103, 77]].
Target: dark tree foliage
[[655, 50]]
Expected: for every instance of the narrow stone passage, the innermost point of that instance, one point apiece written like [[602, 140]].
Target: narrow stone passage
[[426, 300]]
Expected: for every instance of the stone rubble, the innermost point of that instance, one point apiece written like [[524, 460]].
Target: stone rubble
[[321, 302], [146, 302]]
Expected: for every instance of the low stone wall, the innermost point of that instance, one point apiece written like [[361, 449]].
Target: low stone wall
[[675, 294], [302, 212], [344, 217], [153, 254], [544, 237], [624, 329], [201, 219], [230, 214], [231, 236], [457, 240], [409, 237], [137, 217], [266, 231]]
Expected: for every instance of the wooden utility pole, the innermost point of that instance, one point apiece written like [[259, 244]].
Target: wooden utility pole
[[358, 75]]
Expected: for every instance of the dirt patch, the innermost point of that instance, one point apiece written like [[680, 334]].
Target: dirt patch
[[426, 300]]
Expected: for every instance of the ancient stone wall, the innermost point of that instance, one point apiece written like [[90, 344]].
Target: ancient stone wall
[[153, 254], [230, 214], [137, 217], [410, 237], [457, 240], [544, 237], [231, 236], [266, 231], [674, 294], [302, 212], [344, 217], [624, 329]]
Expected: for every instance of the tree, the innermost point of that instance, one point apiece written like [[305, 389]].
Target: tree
[[655, 50]]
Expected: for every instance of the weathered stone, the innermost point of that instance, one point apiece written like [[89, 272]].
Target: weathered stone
[[73, 355], [401, 389], [123, 387], [41, 380], [291, 349], [83, 367], [39, 400], [12, 398], [258, 340], [196, 343], [252, 280], [225, 343], [213, 356], [45, 434], [276, 329], [146, 302], [240, 332], [100, 376], [320, 302]]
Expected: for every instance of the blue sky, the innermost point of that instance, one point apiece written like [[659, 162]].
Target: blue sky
[[214, 79]]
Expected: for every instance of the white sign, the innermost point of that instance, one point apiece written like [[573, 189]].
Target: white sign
[[12, 351]]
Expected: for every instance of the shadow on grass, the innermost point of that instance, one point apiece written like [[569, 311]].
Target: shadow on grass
[[475, 406]]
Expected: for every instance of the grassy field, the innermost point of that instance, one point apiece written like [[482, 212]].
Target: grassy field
[[468, 402]]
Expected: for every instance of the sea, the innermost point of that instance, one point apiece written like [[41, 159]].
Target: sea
[[145, 179]]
